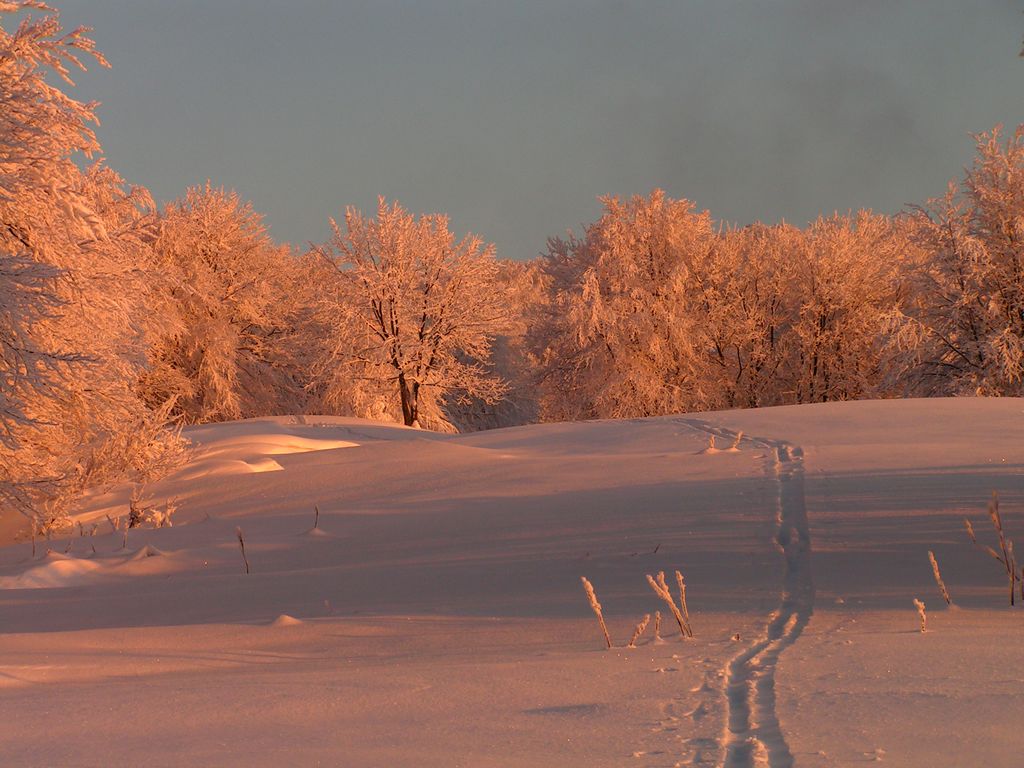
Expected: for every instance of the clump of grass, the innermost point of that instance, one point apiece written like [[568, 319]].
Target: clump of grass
[[938, 578], [596, 607], [661, 590], [1005, 554], [921, 614]]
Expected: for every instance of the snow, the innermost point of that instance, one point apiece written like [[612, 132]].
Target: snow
[[435, 615]]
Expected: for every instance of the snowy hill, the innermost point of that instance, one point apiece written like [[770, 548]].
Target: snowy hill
[[435, 615]]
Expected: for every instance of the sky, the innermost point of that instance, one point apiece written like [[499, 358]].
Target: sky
[[514, 117]]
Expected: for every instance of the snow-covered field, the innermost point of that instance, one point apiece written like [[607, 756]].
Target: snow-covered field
[[436, 617]]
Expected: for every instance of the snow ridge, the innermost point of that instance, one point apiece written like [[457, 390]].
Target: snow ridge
[[753, 734]]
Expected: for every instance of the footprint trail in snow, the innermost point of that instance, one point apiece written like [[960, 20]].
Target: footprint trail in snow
[[753, 734]]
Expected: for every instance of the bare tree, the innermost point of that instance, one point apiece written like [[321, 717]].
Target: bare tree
[[412, 314]]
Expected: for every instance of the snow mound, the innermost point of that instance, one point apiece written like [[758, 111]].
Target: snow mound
[[55, 571], [295, 444], [225, 467], [284, 620], [144, 552], [241, 448], [263, 465]]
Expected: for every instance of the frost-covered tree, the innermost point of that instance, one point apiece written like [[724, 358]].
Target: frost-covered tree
[[970, 290], [73, 258], [745, 311], [622, 335], [655, 311], [223, 297], [410, 315], [849, 294], [520, 286]]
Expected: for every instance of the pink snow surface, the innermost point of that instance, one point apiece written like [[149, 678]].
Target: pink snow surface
[[435, 616]]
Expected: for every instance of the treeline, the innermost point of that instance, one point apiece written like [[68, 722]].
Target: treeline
[[656, 309], [121, 321]]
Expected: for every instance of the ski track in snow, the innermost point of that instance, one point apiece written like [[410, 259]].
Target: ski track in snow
[[753, 735]]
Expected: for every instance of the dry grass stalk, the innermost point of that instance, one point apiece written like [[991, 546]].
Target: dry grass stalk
[[920, 612], [639, 630], [736, 441], [657, 626], [596, 607], [1005, 554], [35, 532], [661, 590], [316, 516], [682, 598], [938, 578], [711, 444], [241, 544]]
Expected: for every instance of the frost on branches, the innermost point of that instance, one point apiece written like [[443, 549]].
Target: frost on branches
[[971, 290], [73, 251], [622, 336], [654, 311], [222, 296], [410, 314]]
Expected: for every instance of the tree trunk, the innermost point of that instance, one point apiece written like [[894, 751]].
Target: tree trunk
[[410, 401]]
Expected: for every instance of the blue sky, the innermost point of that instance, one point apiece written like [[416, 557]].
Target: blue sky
[[513, 117]]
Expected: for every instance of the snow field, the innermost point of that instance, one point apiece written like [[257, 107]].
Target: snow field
[[441, 618]]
